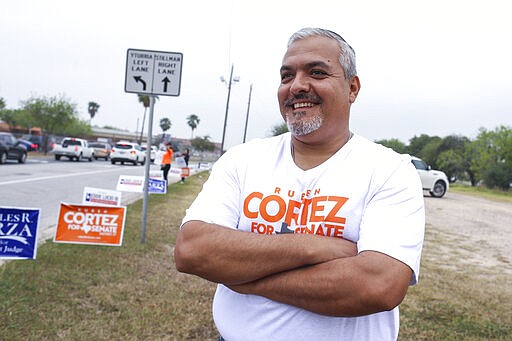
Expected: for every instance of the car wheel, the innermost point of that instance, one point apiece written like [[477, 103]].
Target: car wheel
[[113, 162], [23, 158], [57, 157], [3, 158], [439, 189], [143, 162]]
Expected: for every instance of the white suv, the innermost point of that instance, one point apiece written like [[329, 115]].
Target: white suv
[[152, 152], [127, 152], [434, 181]]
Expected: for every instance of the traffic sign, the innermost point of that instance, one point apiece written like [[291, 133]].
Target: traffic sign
[[153, 72]]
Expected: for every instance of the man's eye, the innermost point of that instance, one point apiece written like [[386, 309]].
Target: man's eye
[[285, 76], [318, 73]]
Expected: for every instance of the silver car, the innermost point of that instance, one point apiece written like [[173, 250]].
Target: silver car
[[101, 150]]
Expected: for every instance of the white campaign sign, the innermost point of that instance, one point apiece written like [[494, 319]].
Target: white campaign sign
[[130, 183], [96, 196]]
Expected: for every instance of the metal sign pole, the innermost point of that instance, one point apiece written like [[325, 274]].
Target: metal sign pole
[[152, 73], [146, 173]]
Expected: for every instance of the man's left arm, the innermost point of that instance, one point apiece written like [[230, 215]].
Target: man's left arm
[[368, 283]]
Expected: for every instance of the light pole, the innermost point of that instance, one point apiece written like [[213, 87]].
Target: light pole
[[236, 79], [247, 115]]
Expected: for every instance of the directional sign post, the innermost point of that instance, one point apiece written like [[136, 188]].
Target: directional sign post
[[152, 73]]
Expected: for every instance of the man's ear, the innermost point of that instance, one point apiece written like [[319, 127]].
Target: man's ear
[[355, 85]]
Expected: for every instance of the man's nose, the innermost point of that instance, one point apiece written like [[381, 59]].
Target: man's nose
[[300, 84]]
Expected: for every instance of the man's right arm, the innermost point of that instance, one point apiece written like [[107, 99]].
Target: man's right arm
[[223, 255]]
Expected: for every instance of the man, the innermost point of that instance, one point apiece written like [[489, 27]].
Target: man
[[166, 160], [314, 234]]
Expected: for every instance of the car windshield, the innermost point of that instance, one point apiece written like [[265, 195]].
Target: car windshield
[[97, 145], [124, 146], [419, 164], [70, 143]]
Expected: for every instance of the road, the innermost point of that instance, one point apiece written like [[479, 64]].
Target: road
[[475, 230], [43, 183]]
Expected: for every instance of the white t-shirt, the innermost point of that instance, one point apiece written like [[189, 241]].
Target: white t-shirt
[[365, 193]]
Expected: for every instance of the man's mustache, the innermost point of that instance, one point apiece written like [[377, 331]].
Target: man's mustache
[[308, 97]]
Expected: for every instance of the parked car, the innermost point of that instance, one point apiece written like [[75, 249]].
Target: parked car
[[434, 181], [51, 140], [31, 147], [74, 149], [127, 152], [10, 148], [152, 153], [101, 150]]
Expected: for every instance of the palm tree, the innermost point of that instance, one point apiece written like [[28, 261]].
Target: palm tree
[[193, 121], [93, 109], [165, 124], [144, 99]]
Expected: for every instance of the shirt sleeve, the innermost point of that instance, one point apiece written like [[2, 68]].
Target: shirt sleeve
[[393, 222], [219, 200]]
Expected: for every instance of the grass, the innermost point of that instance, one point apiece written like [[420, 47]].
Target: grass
[[133, 292], [492, 194], [455, 300]]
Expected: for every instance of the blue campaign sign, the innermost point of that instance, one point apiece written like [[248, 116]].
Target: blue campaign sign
[[18, 232], [157, 186]]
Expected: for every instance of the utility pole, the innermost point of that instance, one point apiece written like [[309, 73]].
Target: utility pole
[[227, 107], [247, 115]]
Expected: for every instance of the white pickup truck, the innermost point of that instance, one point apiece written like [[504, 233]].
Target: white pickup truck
[[74, 149]]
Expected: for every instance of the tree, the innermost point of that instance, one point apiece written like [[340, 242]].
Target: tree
[[11, 116], [2, 103], [54, 115], [279, 129], [146, 102], [203, 144], [92, 108], [491, 155], [395, 144], [417, 143], [451, 157], [193, 121], [498, 175], [165, 124], [452, 163], [430, 151]]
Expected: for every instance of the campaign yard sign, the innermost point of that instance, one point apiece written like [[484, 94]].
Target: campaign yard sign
[[180, 162], [100, 196], [157, 186], [18, 232], [88, 224], [130, 183]]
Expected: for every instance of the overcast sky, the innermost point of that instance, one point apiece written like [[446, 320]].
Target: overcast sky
[[426, 67]]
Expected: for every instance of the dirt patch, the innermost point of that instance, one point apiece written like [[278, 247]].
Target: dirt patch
[[477, 231]]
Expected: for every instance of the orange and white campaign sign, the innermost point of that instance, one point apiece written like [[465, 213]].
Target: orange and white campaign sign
[[185, 171], [88, 224]]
